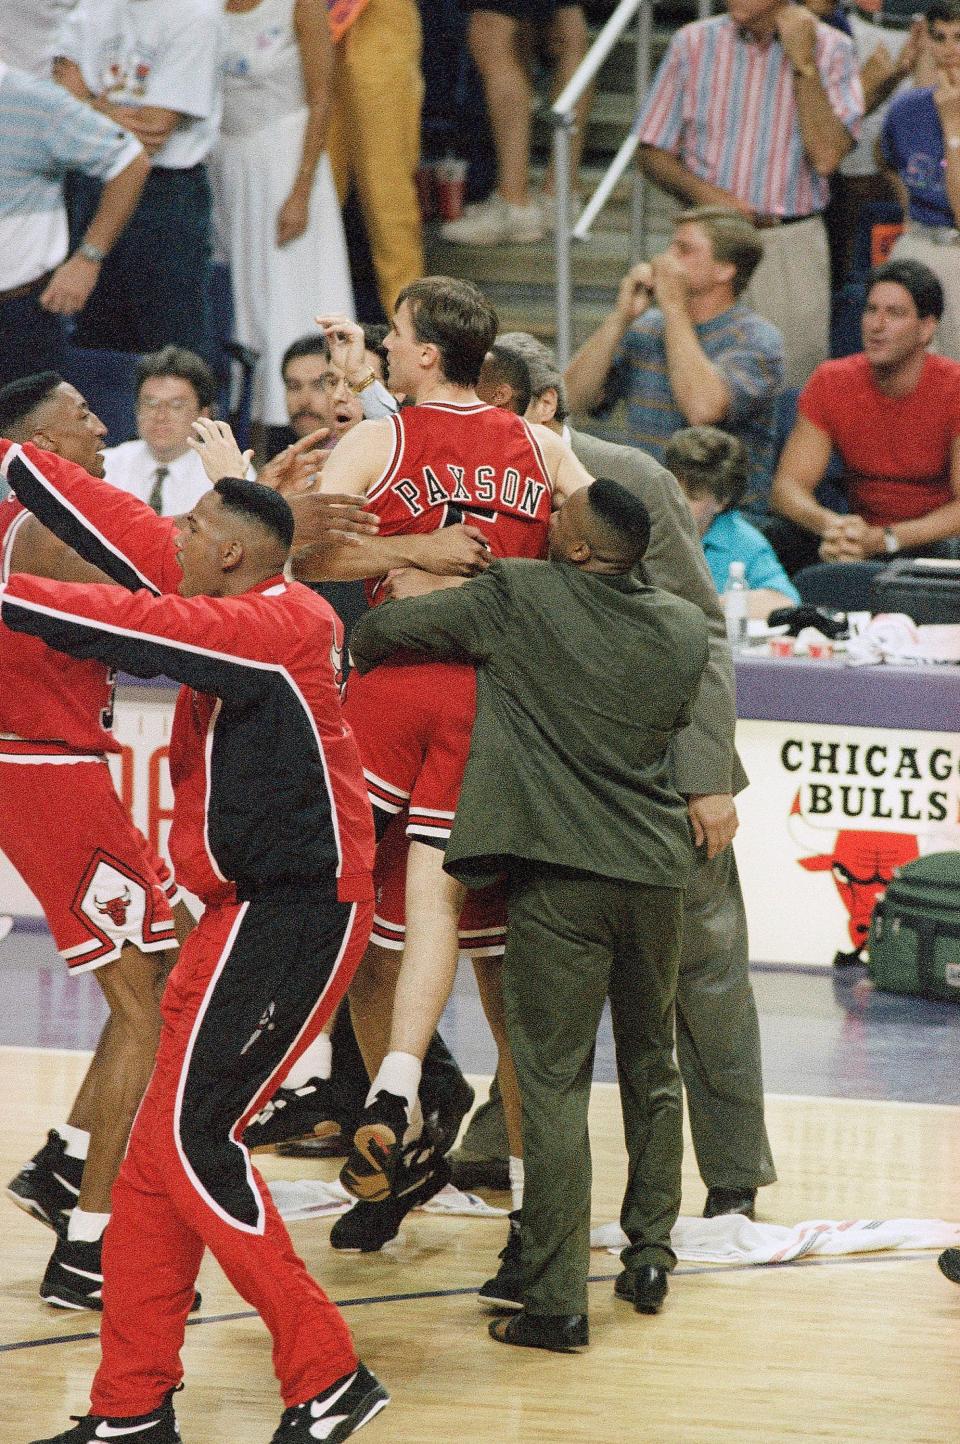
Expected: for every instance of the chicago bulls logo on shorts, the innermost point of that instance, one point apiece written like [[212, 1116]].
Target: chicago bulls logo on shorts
[[116, 906]]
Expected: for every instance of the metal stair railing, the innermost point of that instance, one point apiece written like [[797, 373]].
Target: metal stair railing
[[562, 117]]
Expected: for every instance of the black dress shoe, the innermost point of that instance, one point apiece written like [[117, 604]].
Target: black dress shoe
[[949, 1264], [645, 1288], [562, 1333], [729, 1200]]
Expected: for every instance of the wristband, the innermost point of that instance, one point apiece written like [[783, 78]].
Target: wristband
[[890, 543], [368, 380], [89, 252]]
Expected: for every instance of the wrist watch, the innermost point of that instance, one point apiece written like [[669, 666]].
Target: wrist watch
[[890, 544], [91, 252]]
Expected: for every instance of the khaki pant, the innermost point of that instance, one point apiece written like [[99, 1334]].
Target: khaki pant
[[791, 288], [574, 939], [374, 136], [718, 1039]]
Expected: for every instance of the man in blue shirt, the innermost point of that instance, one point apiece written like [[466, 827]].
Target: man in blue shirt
[[920, 147], [682, 350], [711, 467]]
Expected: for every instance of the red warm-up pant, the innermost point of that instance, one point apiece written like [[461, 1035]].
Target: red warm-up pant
[[255, 983]]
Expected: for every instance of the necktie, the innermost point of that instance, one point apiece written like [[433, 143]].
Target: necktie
[[155, 499]]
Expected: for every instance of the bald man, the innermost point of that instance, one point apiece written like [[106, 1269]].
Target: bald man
[[568, 793]]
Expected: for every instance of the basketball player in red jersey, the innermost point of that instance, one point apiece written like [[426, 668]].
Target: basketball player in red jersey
[[449, 458], [107, 896]]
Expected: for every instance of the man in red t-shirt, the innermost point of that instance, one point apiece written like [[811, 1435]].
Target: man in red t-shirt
[[892, 412]]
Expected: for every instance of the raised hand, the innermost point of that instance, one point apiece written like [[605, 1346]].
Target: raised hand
[[347, 349], [297, 468], [217, 448]]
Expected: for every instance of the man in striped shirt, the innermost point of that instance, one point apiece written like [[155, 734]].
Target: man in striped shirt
[[756, 109]]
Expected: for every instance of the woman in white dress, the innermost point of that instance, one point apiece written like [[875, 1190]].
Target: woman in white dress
[[277, 220]]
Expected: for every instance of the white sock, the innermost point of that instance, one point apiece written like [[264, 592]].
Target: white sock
[[400, 1074], [76, 1139], [415, 1126], [516, 1183], [86, 1227], [317, 1062]]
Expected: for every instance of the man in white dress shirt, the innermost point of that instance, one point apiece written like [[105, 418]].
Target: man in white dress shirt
[[174, 388]]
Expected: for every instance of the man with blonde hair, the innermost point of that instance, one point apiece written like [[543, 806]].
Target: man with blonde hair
[[682, 347]]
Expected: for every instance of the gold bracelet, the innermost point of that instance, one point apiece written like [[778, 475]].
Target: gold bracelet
[[368, 381]]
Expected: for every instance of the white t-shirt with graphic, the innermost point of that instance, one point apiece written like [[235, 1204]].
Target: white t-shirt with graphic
[[166, 53]]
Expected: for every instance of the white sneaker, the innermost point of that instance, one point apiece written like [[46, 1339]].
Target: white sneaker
[[495, 222]]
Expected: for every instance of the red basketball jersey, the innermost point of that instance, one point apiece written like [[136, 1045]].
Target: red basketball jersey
[[47, 696], [469, 463]]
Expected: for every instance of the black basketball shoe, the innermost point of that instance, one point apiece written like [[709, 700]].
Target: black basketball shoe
[[158, 1427], [374, 1159], [421, 1172], [49, 1185], [74, 1277], [505, 1289], [293, 1113], [336, 1413]]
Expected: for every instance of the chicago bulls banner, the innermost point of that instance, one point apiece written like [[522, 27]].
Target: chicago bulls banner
[[830, 812]]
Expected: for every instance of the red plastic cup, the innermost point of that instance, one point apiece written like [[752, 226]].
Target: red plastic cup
[[451, 182], [781, 646]]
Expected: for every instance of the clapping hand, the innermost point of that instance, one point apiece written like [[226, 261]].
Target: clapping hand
[[636, 291], [671, 285]]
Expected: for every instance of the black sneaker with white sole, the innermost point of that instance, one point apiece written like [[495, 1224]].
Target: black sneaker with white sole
[[74, 1277], [49, 1185], [336, 1413], [505, 1289], [158, 1427], [374, 1159], [422, 1172], [294, 1113]]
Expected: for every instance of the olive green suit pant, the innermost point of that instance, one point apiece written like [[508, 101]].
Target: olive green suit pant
[[574, 939], [718, 1040]]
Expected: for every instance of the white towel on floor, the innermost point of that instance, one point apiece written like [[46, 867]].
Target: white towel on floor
[[731, 1238]]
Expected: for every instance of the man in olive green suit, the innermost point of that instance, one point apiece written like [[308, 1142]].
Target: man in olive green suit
[[718, 1035], [584, 675]]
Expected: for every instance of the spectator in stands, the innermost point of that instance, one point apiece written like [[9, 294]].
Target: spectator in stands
[[920, 145], [893, 413], [890, 61], [45, 134], [277, 219], [174, 388], [683, 348], [374, 135], [501, 33], [711, 467], [755, 109], [154, 67]]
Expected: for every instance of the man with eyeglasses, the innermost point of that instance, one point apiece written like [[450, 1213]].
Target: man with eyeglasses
[[174, 388]]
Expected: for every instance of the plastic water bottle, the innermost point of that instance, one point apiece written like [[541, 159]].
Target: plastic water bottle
[[735, 606]]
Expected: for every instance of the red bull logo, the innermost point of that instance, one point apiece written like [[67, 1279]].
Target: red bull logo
[[861, 864], [115, 908]]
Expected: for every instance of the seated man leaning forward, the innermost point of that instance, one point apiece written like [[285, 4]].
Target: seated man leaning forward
[[892, 411], [711, 468], [567, 791]]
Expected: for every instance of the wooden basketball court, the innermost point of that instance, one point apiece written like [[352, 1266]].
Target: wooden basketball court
[[847, 1349]]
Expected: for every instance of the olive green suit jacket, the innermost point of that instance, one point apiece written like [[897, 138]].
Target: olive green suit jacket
[[703, 754]]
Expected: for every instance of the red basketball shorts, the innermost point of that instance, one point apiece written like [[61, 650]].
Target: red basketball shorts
[[483, 921], [412, 722], [100, 883]]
